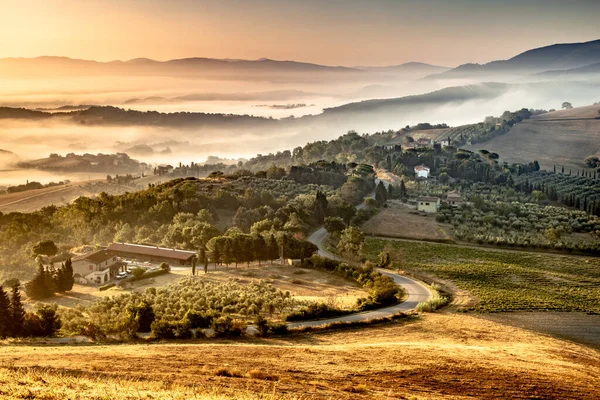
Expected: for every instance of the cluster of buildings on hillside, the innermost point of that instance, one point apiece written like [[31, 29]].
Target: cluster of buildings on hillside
[[431, 204], [421, 143], [100, 266]]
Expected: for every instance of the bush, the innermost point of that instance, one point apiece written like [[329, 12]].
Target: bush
[[165, 267], [171, 330], [316, 311], [199, 319], [137, 273], [278, 328], [228, 373], [261, 375], [226, 327], [106, 287]]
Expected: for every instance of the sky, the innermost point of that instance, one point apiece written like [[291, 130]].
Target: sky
[[332, 32]]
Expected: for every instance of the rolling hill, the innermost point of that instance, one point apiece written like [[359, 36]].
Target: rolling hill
[[554, 57], [561, 138]]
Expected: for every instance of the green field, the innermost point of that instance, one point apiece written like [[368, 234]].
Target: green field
[[502, 280]]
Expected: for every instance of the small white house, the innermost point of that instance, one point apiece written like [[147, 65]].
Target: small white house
[[95, 267], [422, 171], [428, 204], [445, 142]]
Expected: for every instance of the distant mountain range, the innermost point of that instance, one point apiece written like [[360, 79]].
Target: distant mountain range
[[196, 67], [567, 56]]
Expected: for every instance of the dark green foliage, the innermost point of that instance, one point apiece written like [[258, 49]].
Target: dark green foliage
[[107, 286], [46, 247], [49, 321], [334, 225], [165, 267], [17, 312], [166, 329], [38, 287], [316, 311], [381, 194], [225, 327], [5, 315], [143, 314], [200, 319]]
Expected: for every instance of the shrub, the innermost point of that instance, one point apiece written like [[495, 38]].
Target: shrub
[[278, 328], [316, 311], [262, 325], [199, 319], [137, 273], [171, 330], [106, 287], [228, 373], [299, 272], [226, 327], [165, 267], [262, 375]]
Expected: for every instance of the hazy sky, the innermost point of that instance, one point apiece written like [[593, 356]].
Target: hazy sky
[[336, 32]]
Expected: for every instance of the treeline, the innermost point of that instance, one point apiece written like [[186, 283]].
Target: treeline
[[578, 191], [237, 247], [16, 322], [489, 128], [182, 213], [32, 186]]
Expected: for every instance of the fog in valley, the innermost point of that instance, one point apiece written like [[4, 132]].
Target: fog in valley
[[293, 105]]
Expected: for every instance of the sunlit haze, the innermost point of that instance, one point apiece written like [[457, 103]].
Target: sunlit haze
[[335, 32]]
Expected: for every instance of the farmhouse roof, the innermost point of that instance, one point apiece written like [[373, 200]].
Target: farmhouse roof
[[428, 198], [454, 195], [95, 257], [152, 251], [422, 168]]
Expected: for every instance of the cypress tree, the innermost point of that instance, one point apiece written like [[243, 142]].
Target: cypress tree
[[38, 287], [68, 279], [17, 312], [5, 317]]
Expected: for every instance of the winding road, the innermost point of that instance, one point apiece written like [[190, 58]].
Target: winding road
[[416, 292]]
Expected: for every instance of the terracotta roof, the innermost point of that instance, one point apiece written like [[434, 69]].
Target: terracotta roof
[[421, 168], [96, 257], [428, 198], [152, 251]]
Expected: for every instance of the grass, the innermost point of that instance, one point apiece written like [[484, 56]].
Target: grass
[[564, 142], [49, 384], [502, 280], [436, 356], [437, 301], [402, 222]]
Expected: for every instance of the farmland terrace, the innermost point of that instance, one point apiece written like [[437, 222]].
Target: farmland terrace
[[561, 138]]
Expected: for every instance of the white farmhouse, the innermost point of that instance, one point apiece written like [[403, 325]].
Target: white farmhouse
[[95, 267], [422, 171], [445, 142]]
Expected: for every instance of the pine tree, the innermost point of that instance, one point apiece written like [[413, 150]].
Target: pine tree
[[17, 312], [5, 316]]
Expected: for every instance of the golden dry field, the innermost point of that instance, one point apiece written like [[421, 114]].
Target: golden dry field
[[435, 356], [402, 222]]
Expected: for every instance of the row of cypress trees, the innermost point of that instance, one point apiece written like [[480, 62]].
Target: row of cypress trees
[[51, 280]]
